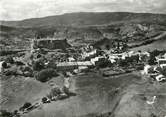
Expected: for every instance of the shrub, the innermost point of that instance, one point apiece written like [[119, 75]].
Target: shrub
[[152, 60], [51, 65], [66, 90], [49, 96], [4, 65], [26, 105], [62, 96], [10, 72], [27, 71], [6, 52], [9, 59], [45, 75], [44, 100], [4, 113], [102, 64], [54, 92], [38, 65], [19, 63]]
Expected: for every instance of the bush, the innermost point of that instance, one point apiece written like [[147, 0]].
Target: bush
[[19, 63], [152, 60], [103, 64], [9, 60], [27, 71], [38, 65], [10, 72], [51, 65], [66, 90], [45, 100], [54, 92], [4, 113], [6, 52], [26, 105], [45, 75], [4, 65]]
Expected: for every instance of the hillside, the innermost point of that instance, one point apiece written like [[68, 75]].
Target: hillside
[[84, 28], [83, 19]]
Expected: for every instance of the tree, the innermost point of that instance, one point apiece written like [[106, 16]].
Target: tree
[[4, 113], [26, 105], [107, 47], [44, 100], [45, 74], [122, 63], [38, 65], [9, 59]]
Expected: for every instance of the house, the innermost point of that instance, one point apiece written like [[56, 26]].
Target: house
[[71, 59], [160, 78], [146, 69], [161, 61], [89, 54], [114, 57], [70, 66], [97, 59], [85, 63]]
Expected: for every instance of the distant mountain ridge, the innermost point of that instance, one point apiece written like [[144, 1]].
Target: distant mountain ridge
[[88, 18], [84, 28]]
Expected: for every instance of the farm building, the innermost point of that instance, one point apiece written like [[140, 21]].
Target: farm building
[[70, 66], [89, 54], [161, 61], [67, 66], [147, 68]]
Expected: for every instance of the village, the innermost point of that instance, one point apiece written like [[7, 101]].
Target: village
[[49, 58]]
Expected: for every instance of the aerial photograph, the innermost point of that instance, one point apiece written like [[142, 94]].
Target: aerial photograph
[[82, 58]]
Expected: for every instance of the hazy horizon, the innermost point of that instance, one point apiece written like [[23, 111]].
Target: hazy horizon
[[12, 10], [76, 12]]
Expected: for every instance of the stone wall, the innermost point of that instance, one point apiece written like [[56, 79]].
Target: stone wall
[[51, 44]]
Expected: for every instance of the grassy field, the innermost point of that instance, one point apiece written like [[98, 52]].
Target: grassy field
[[95, 94], [121, 96], [160, 44], [15, 91]]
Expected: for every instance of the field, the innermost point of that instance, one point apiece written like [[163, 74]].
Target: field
[[122, 96], [15, 91], [160, 44]]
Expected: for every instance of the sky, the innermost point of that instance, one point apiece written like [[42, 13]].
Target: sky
[[24, 9]]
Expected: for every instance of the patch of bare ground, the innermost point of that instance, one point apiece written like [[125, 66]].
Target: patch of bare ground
[[134, 102]]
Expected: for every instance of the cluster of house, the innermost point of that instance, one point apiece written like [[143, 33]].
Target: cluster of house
[[94, 58], [157, 71], [90, 57]]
